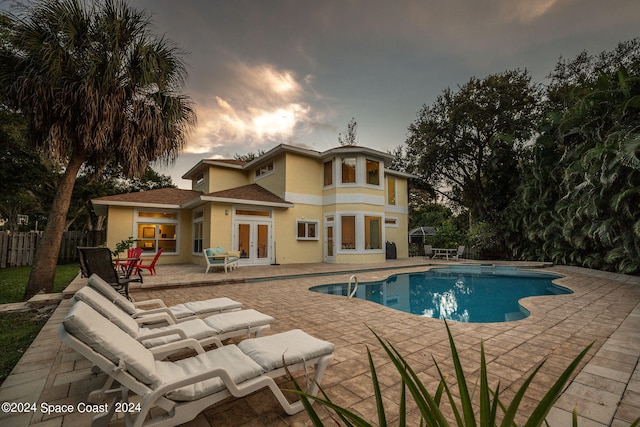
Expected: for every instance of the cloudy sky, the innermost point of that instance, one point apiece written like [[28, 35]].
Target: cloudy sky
[[265, 72]]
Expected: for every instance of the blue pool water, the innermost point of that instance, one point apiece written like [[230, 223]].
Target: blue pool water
[[461, 293]]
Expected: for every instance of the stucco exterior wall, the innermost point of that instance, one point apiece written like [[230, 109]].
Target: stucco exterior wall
[[221, 178], [119, 225], [273, 181], [290, 250]]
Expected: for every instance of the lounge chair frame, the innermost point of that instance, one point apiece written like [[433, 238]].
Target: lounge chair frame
[[179, 412]]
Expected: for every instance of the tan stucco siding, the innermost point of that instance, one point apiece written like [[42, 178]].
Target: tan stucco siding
[[119, 225], [220, 226], [290, 250], [304, 175], [225, 178], [398, 234], [273, 181]]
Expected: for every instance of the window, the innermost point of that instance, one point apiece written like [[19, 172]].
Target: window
[[348, 232], [391, 222], [348, 170], [198, 231], [307, 230], [391, 191], [264, 169], [328, 173], [155, 230], [252, 213], [200, 179], [372, 232], [373, 172]]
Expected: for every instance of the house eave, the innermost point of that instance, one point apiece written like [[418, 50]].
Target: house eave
[[231, 200], [135, 204]]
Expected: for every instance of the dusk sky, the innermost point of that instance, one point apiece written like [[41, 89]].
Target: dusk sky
[[267, 72]]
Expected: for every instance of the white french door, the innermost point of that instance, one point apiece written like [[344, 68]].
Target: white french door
[[253, 239]]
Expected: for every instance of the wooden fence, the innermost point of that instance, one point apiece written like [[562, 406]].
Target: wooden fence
[[19, 249]]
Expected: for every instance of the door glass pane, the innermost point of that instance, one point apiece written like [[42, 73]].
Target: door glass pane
[[330, 241], [263, 241], [244, 239]]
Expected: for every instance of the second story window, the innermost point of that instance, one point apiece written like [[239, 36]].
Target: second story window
[[264, 169], [328, 173], [391, 191], [348, 170], [373, 172]]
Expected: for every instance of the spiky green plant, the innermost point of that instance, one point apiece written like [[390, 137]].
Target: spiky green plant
[[429, 404]]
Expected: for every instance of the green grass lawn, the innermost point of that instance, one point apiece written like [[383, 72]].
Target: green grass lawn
[[18, 330], [13, 281]]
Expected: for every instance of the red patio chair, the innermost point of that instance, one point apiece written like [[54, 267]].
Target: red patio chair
[[151, 267]]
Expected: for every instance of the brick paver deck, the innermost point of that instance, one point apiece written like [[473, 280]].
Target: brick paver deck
[[604, 309]]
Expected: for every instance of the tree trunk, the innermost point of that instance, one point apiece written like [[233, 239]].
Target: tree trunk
[[43, 271]]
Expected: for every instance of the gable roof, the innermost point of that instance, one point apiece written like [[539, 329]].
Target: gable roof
[[175, 198], [251, 194], [167, 198]]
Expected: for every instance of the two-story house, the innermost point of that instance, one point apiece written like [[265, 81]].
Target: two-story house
[[289, 205]]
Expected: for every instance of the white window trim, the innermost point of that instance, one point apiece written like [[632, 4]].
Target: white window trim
[[381, 177], [137, 219], [197, 220], [339, 182], [333, 174], [306, 222], [395, 191], [360, 237], [395, 224], [266, 173]]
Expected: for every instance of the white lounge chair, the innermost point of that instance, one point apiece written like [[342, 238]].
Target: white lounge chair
[[209, 330], [184, 388], [176, 313]]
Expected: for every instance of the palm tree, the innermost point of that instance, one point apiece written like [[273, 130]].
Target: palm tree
[[98, 89]]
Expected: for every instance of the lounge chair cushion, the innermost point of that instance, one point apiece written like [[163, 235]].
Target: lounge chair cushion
[[214, 305], [109, 310], [194, 328], [107, 339], [238, 365], [236, 320], [296, 346], [111, 294]]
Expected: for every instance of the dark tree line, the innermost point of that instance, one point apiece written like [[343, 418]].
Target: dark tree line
[[553, 171]]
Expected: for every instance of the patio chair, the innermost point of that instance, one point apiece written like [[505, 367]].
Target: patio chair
[[152, 266], [157, 311], [178, 391], [459, 253], [130, 265], [220, 257], [428, 251], [98, 261]]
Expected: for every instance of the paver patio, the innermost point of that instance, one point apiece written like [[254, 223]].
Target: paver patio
[[604, 309]]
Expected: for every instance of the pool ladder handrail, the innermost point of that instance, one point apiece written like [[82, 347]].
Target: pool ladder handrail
[[352, 279]]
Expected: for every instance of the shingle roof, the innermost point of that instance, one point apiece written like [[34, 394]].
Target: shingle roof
[[252, 192], [164, 196]]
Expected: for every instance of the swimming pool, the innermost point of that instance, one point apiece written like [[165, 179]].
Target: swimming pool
[[475, 294]]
